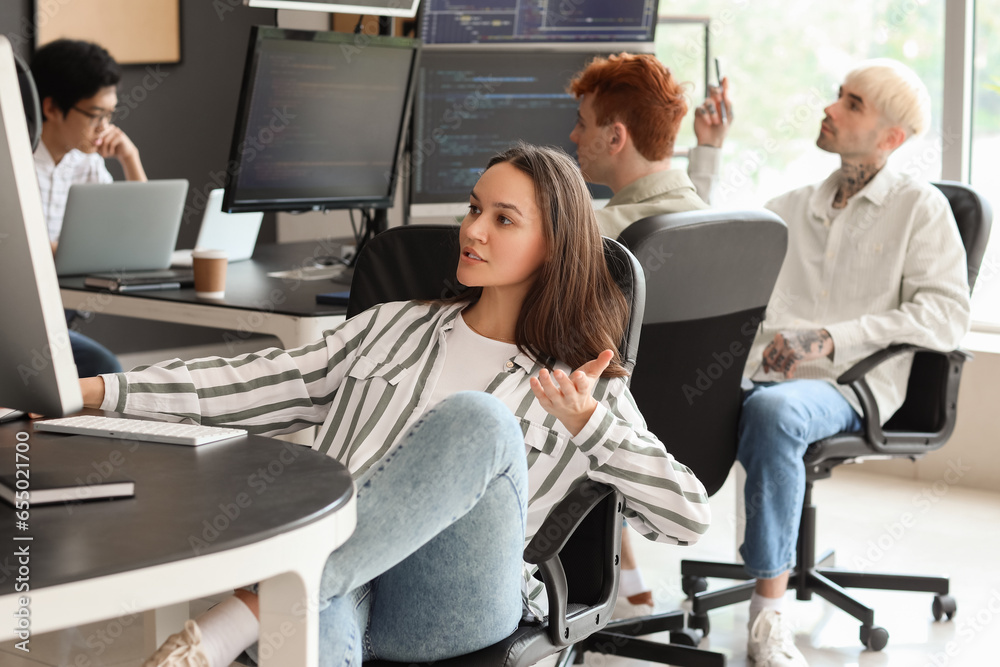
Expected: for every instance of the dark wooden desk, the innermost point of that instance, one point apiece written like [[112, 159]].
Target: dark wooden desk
[[254, 301], [203, 520]]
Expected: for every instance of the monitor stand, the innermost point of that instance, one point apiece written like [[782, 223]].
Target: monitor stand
[[372, 222], [344, 277]]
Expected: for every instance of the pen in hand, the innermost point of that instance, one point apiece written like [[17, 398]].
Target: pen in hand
[[722, 107]]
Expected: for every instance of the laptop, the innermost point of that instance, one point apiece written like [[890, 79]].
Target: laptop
[[124, 226], [236, 233]]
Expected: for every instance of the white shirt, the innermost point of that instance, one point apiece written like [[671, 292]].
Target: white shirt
[[54, 181], [890, 268], [471, 362]]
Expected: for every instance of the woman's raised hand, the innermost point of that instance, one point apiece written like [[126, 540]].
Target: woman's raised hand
[[569, 397]]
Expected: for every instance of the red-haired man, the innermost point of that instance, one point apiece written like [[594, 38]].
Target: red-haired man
[[631, 108]]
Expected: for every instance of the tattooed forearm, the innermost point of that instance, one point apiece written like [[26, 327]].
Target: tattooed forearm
[[790, 347], [809, 342]]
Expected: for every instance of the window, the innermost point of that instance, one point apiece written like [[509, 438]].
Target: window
[[986, 154], [784, 61]]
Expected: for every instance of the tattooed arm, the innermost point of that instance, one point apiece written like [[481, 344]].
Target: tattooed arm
[[790, 347]]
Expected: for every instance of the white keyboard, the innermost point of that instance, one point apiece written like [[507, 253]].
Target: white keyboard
[[139, 429]]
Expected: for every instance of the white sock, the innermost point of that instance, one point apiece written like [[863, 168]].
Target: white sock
[[226, 630], [631, 583], [759, 603]]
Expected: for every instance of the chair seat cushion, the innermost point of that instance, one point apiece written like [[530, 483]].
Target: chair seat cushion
[[840, 446], [526, 646]]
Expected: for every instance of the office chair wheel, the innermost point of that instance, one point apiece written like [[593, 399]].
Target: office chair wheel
[[692, 584], [944, 605], [699, 622], [685, 637], [874, 637]]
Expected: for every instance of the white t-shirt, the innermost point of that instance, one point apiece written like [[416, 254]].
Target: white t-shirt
[[54, 181], [471, 362]]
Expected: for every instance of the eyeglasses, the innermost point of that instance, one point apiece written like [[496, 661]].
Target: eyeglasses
[[96, 118]]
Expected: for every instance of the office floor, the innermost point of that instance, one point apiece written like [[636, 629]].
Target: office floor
[[877, 522]]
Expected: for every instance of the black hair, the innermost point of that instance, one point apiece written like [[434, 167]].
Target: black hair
[[70, 70]]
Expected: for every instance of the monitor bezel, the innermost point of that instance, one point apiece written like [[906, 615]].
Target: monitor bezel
[[258, 35], [37, 346], [402, 8]]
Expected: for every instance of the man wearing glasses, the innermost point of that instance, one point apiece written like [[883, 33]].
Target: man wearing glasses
[[77, 85]]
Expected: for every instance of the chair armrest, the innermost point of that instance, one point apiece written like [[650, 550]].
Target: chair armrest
[[856, 378], [544, 550]]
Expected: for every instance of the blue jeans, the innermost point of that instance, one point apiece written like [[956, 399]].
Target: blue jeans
[[777, 424], [433, 569], [91, 357]]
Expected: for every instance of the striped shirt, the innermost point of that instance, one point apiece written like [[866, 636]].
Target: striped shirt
[[367, 381], [889, 268], [55, 180]]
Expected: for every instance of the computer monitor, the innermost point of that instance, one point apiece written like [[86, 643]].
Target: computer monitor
[[37, 372], [489, 21], [321, 121], [476, 101], [404, 8]]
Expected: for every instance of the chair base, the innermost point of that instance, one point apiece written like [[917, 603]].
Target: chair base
[[620, 638], [809, 577]]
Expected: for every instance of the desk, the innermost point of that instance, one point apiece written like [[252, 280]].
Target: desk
[[204, 520], [254, 302]]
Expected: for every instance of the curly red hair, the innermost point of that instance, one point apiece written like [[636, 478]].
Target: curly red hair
[[639, 91]]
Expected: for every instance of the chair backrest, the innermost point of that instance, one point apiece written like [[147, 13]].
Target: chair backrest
[[420, 262], [925, 408], [974, 217], [709, 276]]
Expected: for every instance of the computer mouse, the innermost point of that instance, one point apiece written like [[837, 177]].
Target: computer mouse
[[10, 414]]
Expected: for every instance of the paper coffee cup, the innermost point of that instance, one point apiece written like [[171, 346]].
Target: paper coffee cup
[[210, 273]]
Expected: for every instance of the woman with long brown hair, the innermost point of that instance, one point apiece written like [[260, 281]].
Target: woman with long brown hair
[[462, 422]]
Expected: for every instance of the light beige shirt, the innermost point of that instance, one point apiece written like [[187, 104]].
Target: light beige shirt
[[890, 268], [670, 191]]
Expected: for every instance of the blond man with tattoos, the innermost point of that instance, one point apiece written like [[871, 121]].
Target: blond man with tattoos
[[874, 258]]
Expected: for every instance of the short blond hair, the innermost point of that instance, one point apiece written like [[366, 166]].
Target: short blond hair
[[896, 91]]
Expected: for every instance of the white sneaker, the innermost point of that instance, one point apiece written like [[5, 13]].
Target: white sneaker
[[640, 604], [182, 649], [637, 605], [771, 642]]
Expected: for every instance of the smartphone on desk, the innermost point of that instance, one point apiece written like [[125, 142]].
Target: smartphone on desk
[[334, 298]]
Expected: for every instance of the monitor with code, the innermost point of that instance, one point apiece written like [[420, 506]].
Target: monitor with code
[[472, 104], [509, 21], [321, 121]]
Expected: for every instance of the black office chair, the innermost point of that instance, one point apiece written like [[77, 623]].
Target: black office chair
[[577, 548], [709, 276], [923, 423]]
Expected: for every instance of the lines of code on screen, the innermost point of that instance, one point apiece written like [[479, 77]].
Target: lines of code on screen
[[498, 21], [323, 122], [473, 104]]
